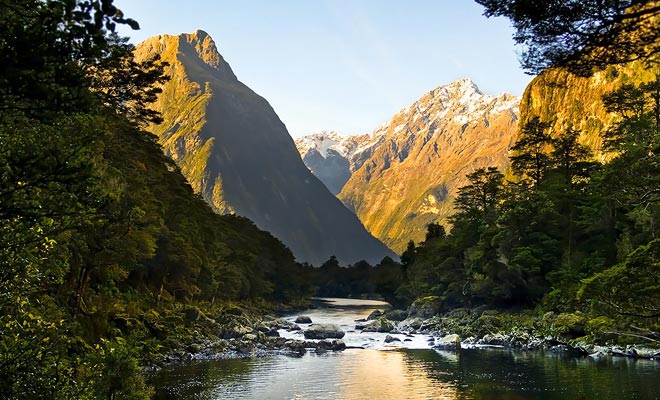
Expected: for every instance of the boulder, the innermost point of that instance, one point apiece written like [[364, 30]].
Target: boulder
[[379, 325], [235, 329], [396, 315], [411, 324], [303, 319], [571, 324], [324, 331], [494, 339], [268, 331], [296, 346], [449, 342], [390, 339], [425, 307], [374, 315], [458, 313], [281, 323], [331, 345], [639, 351]]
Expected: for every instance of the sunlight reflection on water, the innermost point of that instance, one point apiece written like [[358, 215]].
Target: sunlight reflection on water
[[398, 373]]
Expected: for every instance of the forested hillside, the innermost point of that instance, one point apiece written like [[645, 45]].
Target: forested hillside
[[103, 245]]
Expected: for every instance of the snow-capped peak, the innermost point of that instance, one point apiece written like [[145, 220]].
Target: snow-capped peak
[[321, 142], [460, 101]]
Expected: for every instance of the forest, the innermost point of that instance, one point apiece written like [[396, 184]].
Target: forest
[[103, 244]]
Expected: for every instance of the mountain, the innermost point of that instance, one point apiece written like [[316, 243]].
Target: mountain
[[406, 173], [330, 156], [237, 154]]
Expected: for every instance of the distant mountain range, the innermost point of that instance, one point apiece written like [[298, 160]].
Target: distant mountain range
[[406, 173], [238, 155]]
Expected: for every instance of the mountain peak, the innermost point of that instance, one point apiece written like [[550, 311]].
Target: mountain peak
[[465, 84], [196, 47]]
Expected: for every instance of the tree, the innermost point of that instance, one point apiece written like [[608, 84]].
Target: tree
[[58, 193], [530, 153], [582, 36], [634, 173], [631, 288], [569, 157], [477, 201], [435, 231]]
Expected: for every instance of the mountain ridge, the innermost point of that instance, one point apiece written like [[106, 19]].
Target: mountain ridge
[[409, 175]]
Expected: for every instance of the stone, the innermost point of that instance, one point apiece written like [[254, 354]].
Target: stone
[[379, 325], [303, 319], [396, 315], [571, 324], [449, 342], [324, 331], [411, 324], [390, 339], [272, 333], [331, 345], [234, 330], [425, 307], [495, 339], [374, 315]]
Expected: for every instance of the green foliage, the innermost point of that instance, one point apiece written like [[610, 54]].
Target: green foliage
[[570, 234], [580, 35], [530, 153], [631, 288], [101, 238]]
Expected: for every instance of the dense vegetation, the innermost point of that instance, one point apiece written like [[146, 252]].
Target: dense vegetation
[[103, 245], [561, 231], [581, 36]]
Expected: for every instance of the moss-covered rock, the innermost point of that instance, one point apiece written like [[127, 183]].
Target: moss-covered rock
[[379, 325], [571, 324], [425, 307]]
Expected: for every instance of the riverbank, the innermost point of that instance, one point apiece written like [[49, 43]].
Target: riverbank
[[243, 334]]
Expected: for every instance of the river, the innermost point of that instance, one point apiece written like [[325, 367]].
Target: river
[[406, 370]]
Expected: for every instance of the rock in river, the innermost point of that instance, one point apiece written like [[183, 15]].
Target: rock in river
[[379, 325], [303, 319], [333, 345], [390, 339], [324, 331], [449, 342]]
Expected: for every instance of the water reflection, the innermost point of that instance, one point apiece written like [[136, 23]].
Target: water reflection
[[413, 374], [406, 373]]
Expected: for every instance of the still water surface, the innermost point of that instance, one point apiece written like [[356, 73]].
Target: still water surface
[[409, 371]]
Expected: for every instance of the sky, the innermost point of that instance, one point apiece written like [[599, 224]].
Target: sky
[[343, 65]]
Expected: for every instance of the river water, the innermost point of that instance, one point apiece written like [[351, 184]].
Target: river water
[[407, 370]]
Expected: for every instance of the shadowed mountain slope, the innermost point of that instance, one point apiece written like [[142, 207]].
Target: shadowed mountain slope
[[238, 155]]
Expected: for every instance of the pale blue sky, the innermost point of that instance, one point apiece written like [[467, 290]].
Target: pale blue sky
[[344, 65]]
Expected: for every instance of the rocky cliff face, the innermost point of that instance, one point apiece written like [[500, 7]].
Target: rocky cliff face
[[408, 173], [568, 100], [238, 155]]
